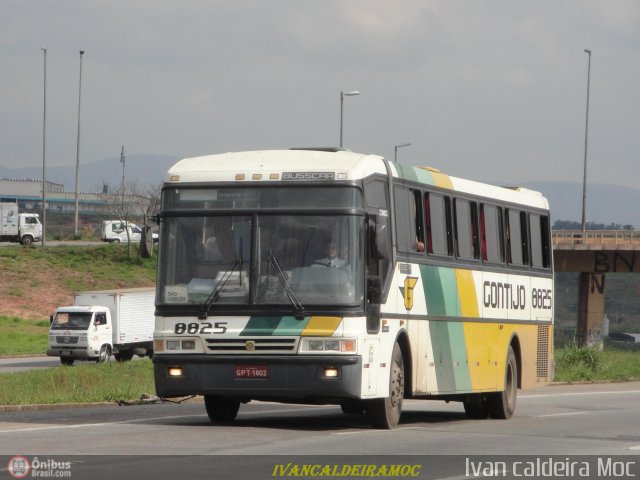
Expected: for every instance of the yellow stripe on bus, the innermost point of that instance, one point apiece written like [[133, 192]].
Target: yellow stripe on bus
[[442, 180], [467, 294], [321, 326]]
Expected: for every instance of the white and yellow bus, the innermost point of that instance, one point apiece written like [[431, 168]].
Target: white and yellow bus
[[327, 276]]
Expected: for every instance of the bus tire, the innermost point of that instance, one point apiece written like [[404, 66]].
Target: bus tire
[[476, 408], [352, 407], [385, 412], [221, 409], [502, 405]]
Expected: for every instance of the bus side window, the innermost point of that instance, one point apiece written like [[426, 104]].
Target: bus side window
[[406, 219], [517, 238], [438, 224], [466, 229], [379, 246], [491, 245], [418, 216], [539, 227]]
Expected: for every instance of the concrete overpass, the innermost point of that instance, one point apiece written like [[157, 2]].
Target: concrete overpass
[[593, 254]]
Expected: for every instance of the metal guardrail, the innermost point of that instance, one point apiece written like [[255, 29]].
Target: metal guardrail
[[578, 237]]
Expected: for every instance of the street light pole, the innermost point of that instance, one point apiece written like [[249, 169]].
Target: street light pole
[[395, 154], [586, 137], [44, 138], [75, 227], [122, 160], [351, 93]]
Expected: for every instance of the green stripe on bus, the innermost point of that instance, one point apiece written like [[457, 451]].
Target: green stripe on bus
[[458, 346], [432, 286], [442, 357], [447, 338], [266, 326], [291, 326], [416, 174]]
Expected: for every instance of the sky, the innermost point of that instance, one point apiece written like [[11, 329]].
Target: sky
[[491, 90]]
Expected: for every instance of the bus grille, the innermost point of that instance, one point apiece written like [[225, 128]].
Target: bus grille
[[542, 360], [67, 340], [252, 345]]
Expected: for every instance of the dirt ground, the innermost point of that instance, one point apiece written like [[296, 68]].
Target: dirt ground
[[32, 297]]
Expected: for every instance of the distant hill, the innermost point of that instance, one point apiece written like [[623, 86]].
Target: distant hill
[[146, 169], [605, 203]]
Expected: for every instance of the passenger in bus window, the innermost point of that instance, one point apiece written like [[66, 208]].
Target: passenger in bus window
[[212, 251], [331, 258]]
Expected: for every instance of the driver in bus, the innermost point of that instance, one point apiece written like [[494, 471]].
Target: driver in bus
[[331, 259]]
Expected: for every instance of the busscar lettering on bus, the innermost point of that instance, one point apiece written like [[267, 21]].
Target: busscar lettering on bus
[[294, 275]]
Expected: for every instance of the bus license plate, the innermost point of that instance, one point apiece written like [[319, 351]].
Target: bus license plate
[[251, 371]]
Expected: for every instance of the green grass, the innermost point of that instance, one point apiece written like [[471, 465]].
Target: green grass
[[112, 381], [575, 364], [81, 267], [23, 337]]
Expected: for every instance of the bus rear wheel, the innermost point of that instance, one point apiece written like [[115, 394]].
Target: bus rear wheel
[[476, 407], [221, 409], [385, 412], [502, 405]]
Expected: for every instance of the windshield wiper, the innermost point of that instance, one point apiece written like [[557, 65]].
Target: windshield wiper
[[215, 293], [298, 309]]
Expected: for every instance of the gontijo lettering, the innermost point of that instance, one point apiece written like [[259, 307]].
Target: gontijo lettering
[[514, 297], [341, 470]]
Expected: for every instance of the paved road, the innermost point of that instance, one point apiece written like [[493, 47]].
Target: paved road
[[160, 439], [579, 419], [23, 364]]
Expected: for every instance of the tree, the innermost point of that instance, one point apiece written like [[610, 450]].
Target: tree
[[133, 204]]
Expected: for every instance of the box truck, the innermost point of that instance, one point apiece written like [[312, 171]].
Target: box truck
[[18, 227], [102, 323]]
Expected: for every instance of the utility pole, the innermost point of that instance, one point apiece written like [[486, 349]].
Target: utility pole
[[122, 191], [75, 223], [44, 137]]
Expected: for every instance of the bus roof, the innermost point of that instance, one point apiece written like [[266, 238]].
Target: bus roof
[[329, 164]]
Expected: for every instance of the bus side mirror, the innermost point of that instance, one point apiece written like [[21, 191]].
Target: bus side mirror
[[50, 319], [374, 290]]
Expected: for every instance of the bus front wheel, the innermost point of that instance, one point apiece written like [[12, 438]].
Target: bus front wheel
[[385, 412], [502, 405], [221, 409]]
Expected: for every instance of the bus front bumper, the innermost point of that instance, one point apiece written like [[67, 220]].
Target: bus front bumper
[[260, 377]]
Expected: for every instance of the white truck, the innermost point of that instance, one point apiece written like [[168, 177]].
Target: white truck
[[102, 323], [18, 227], [116, 231], [120, 231]]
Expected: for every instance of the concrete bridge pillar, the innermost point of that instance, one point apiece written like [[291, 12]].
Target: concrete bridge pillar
[[591, 309]]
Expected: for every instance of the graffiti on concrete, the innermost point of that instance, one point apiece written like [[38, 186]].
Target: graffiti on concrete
[[596, 283], [623, 262]]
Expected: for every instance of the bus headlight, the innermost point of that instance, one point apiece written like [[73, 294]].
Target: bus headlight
[[328, 345]]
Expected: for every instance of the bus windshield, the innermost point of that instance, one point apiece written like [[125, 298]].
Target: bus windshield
[[261, 259]]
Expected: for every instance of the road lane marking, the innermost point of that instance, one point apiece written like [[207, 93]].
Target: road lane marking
[[82, 425], [637, 447], [624, 392], [559, 414], [152, 419]]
